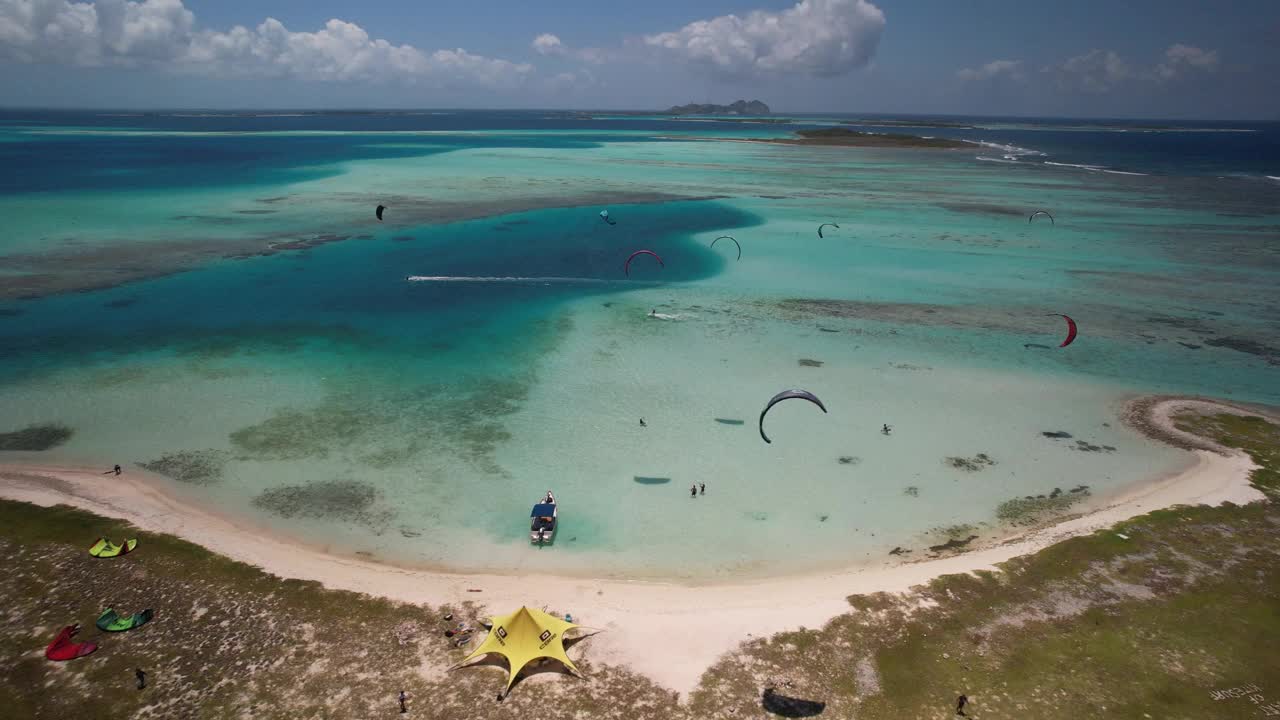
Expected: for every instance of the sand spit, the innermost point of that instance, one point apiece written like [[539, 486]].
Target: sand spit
[[710, 620]]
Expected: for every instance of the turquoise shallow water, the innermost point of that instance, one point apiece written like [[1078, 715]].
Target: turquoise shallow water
[[316, 391]]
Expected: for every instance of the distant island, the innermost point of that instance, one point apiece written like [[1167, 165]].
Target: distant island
[[741, 107]]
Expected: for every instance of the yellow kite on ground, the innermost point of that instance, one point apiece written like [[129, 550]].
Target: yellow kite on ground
[[524, 636]]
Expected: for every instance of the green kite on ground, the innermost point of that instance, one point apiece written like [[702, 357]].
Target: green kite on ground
[[104, 548], [110, 621]]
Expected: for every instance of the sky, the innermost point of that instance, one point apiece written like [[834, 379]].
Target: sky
[[1068, 58]]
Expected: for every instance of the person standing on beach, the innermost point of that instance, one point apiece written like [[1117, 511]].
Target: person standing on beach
[[702, 487], [138, 673]]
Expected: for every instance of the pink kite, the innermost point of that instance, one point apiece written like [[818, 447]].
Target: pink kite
[[63, 649], [1071, 330], [626, 267]]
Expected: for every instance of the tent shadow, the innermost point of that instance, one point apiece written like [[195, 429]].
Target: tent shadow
[[789, 706], [548, 665]]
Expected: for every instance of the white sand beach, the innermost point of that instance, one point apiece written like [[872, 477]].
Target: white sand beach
[[709, 620]]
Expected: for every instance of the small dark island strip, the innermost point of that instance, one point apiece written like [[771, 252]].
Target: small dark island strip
[[838, 136]]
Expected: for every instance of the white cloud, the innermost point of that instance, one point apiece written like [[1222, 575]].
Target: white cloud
[[161, 33], [816, 37], [1096, 71], [1011, 69], [1179, 58], [576, 81], [1100, 71], [548, 44]]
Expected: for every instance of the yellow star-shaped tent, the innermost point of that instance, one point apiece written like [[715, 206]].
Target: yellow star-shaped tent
[[524, 636]]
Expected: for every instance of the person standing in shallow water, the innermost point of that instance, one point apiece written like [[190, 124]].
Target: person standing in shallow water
[[403, 698], [139, 674], [693, 491], [960, 703], [702, 488]]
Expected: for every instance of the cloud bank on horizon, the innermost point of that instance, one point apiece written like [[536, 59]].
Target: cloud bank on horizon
[[1101, 71], [162, 33], [828, 51]]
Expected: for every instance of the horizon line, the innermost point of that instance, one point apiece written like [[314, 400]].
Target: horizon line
[[649, 111]]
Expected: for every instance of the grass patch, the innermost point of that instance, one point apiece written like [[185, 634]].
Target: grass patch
[[1250, 433], [231, 641]]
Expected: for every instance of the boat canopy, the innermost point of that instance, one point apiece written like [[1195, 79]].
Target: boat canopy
[[543, 510]]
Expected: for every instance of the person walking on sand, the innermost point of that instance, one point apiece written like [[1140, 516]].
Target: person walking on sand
[[141, 677], [960, 703], [702, 487], [403, 698]]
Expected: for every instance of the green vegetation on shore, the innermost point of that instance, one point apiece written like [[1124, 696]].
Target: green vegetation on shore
[[231, 641], [1145, 620], [1148, 625]]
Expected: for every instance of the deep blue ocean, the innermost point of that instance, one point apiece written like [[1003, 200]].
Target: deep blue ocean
[[135, 160]]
